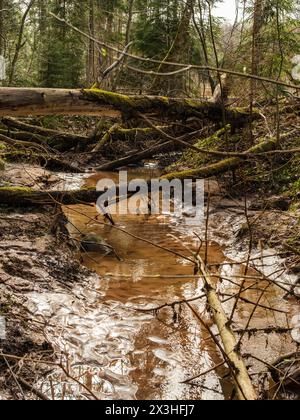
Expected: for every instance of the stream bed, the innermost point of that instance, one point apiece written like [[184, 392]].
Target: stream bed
[[119, 348]]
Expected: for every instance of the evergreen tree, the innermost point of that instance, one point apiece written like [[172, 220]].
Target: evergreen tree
[[63, 52]]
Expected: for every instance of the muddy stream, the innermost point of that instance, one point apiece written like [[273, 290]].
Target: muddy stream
[[120, 351]]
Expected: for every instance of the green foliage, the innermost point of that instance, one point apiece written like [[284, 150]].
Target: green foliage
[[156, 27], [54, 55], [62, 57]]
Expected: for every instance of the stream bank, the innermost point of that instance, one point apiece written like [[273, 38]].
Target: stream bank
[[59, 310]]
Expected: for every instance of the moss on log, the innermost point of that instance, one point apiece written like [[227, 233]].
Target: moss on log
[[224, 165], [171, 107], [23, 136], [215, 142], [105, 139], [137, 134], [27, 197], [30, 101]]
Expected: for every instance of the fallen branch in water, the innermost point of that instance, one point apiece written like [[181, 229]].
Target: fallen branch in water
[[243, 384], [233, 368]]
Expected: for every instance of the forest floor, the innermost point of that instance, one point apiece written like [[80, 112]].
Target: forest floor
[[36, 256]]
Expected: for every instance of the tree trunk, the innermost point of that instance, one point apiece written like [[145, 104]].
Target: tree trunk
[[134, 158], [24, 136], [2, 37], [19, 44], [134, 135], [29, 101], [175, 54], [91, 62], [36, 156], [26, 197]]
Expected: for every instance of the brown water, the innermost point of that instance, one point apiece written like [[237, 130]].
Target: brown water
[[121, 352]]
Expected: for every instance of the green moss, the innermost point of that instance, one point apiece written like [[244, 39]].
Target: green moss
[[296, 186], [205, 171], [165, 99], [131, 134], [194, 104], [18, 190], [110, 98], [192, 159]]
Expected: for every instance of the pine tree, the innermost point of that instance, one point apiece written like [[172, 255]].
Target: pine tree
[[63, 51]]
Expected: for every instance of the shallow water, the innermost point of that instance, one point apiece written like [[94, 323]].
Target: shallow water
[[122, 352]]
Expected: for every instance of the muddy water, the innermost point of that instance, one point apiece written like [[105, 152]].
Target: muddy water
[[121, 351]]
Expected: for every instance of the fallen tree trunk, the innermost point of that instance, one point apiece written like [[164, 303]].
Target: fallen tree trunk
[[105, 139], [169, 107], [223, 165], [27, 197], [133, 135], [134, 158], [239, 373], [23, 136], [29, 101], [65, 140], [19, 143]]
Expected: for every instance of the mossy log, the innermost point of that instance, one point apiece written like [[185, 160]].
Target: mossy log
[[27, 197], [29, 101], [169, 107], [23, 136], [105, 139], [131, 135], [19, 143], [53, 137], [224, 165]]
